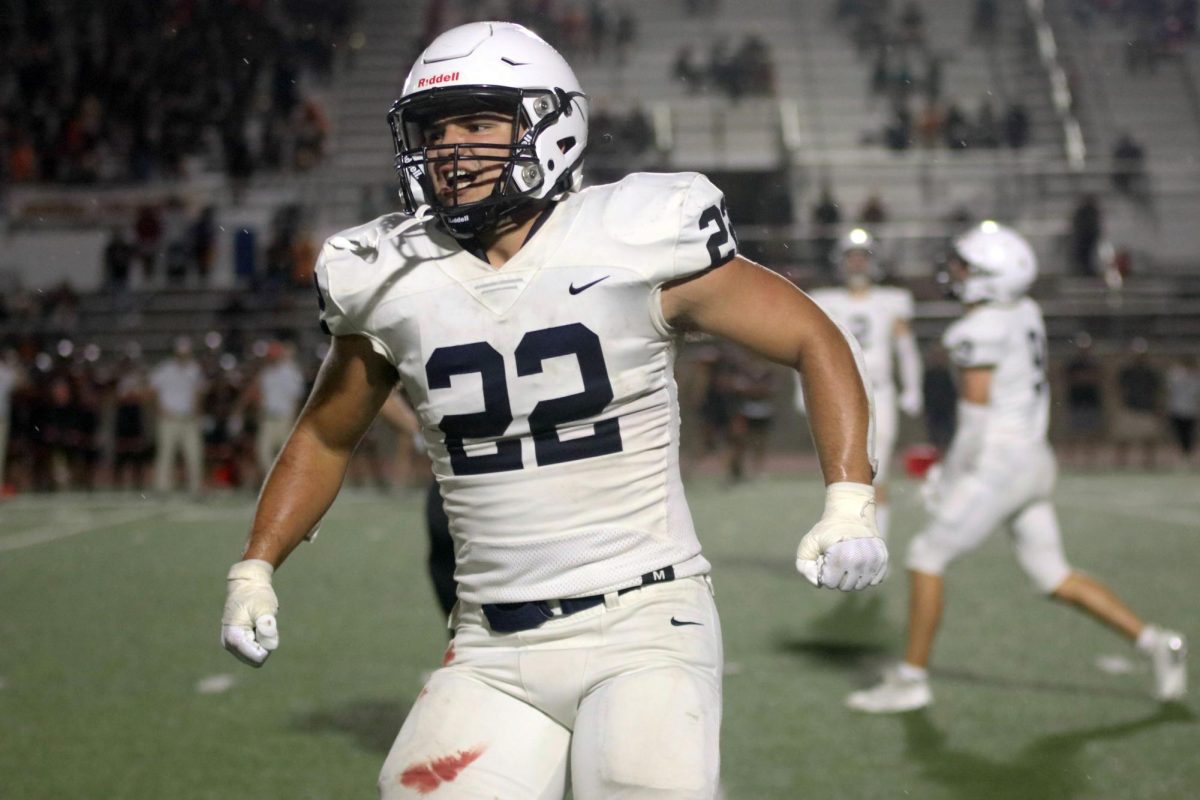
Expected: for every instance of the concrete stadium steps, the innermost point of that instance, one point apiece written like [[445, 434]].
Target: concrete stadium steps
[[155, 318], [827, 82], [1161, 110]]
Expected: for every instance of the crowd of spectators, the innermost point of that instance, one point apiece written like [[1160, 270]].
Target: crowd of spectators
[[132, 91], [908, 74], [737, 72], [55, 310], [172, 244], [595, 30], [82, 419], [1154, 29], [952, 128], [619, 135], [212, 414]]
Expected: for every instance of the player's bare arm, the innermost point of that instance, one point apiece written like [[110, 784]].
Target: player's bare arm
[[351, 387], [752, 306], [747, 304], [975, 385]]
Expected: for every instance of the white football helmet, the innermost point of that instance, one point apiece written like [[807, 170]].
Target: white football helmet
[[496, 66], [860, 273], [1000, 264]]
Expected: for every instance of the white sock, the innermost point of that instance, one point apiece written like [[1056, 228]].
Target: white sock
[[883, 519], [911, 672], [1147, 638]]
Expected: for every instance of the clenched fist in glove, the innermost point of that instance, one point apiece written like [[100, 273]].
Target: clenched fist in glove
[[843, 550], [248, 628]]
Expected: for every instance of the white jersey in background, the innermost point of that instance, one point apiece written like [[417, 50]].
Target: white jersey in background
[[550, 492], [871, 317], [1011, 339]]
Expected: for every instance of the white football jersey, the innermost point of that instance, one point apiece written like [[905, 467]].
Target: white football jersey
[[871, 318], [1010, 338], [545, 388]]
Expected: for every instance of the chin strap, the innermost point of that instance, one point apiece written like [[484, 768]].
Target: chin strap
[[422, 215]]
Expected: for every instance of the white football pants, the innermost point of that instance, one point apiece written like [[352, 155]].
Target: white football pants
[[1013, 488], [625, 697]]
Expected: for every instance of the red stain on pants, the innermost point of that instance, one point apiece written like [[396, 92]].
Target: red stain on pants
[[427, 776], [448, 656]]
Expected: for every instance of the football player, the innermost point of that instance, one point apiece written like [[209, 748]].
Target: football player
[[533, 326], [879, 317], [1000, 471]]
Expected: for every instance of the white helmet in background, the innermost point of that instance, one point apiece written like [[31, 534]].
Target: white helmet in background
[[854, 270], [1000, 264], [499, 66]]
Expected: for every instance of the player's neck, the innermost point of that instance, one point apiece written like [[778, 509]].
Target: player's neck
[[502, 243]]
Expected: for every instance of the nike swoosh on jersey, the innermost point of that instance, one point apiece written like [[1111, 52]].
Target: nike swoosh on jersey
[[573, 289], [681, 622]]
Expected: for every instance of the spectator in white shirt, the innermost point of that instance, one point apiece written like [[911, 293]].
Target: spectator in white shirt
[[279, 388], [178, 385]]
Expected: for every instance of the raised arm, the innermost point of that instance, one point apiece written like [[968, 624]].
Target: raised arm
[[349, 390]]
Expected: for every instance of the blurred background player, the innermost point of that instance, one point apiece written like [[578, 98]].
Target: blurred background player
[[1000, 471], [880, 319]]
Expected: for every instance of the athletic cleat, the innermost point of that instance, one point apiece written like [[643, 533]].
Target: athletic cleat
[[895, 694], [1168, 655]]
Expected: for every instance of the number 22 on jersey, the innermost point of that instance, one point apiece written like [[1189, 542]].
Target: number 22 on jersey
[[533, 349]]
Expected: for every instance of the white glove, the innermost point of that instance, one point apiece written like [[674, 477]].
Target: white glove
[[910, 403], [843, 550], [248, 627]]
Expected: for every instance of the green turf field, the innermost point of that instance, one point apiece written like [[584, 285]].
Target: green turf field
[[113, 685]]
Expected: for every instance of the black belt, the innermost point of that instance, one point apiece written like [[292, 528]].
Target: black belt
[[514, 617]]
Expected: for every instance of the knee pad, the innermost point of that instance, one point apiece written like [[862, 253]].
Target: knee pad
[[1038, 545]]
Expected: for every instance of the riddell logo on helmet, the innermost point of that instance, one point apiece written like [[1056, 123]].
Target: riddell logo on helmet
[[445, 77]]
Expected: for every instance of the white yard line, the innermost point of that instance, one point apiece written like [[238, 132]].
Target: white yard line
[[215, 684], [59, 530]]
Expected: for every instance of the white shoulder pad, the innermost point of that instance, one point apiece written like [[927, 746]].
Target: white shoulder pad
[[979, 339], [680, 218], [351, 266]]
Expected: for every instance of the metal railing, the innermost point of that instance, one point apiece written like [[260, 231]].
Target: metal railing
[[1060, 88]]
